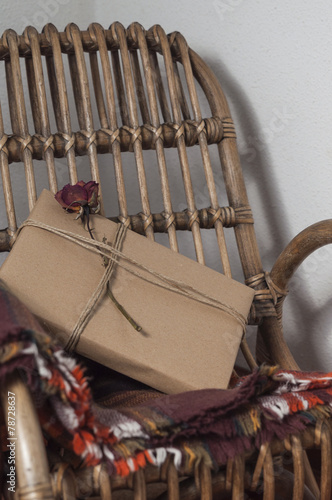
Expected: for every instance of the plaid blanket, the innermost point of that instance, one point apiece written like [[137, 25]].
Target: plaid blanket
[[127, 425]]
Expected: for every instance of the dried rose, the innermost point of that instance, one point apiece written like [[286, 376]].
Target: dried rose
[[83, 194]]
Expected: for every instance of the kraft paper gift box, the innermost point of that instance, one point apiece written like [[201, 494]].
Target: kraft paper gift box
[[186, 342]]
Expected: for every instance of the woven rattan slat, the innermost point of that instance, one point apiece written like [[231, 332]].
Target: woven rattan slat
[[160, 90], [80, 81], [56, 76], [161, 38], [156, 128], [139, 86], [97, 85], [120, 90], [184, 54], [181, 95], [37, 91], [133, 126], [7, 184], [18, 112], [110, 125]]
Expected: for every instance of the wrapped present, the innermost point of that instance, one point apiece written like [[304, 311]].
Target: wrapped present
[[192, 318]]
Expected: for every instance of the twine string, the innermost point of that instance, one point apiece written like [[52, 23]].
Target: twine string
[[116, 256], [95, 297]]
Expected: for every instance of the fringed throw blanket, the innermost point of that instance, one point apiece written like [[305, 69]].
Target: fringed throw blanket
[[131, 428]]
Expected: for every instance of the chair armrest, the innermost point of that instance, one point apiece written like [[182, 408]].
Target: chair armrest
[[305, 243], [32, 477], [274, 347]]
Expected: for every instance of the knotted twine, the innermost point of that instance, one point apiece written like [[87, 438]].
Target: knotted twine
[[113, 254]]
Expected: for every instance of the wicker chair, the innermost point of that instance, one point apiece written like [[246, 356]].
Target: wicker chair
[[143, 85]]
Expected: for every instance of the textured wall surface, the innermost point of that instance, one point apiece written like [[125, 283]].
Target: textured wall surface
[[274, 62]]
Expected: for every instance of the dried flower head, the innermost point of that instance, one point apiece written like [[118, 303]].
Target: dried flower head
[[74, 198]]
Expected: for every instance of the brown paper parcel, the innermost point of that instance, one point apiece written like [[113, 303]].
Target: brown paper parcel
[[184, 344]]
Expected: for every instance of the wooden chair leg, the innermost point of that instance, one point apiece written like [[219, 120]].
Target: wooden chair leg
[[173, 482], [33, 481], [64, 482], [205, 482], [238, 478], [139, 485], [298, 464], [269, 483], [326, 463]]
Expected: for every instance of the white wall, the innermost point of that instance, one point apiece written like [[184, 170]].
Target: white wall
[[274, 61]]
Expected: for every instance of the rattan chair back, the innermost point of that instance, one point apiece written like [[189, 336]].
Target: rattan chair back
[[133, 90]]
